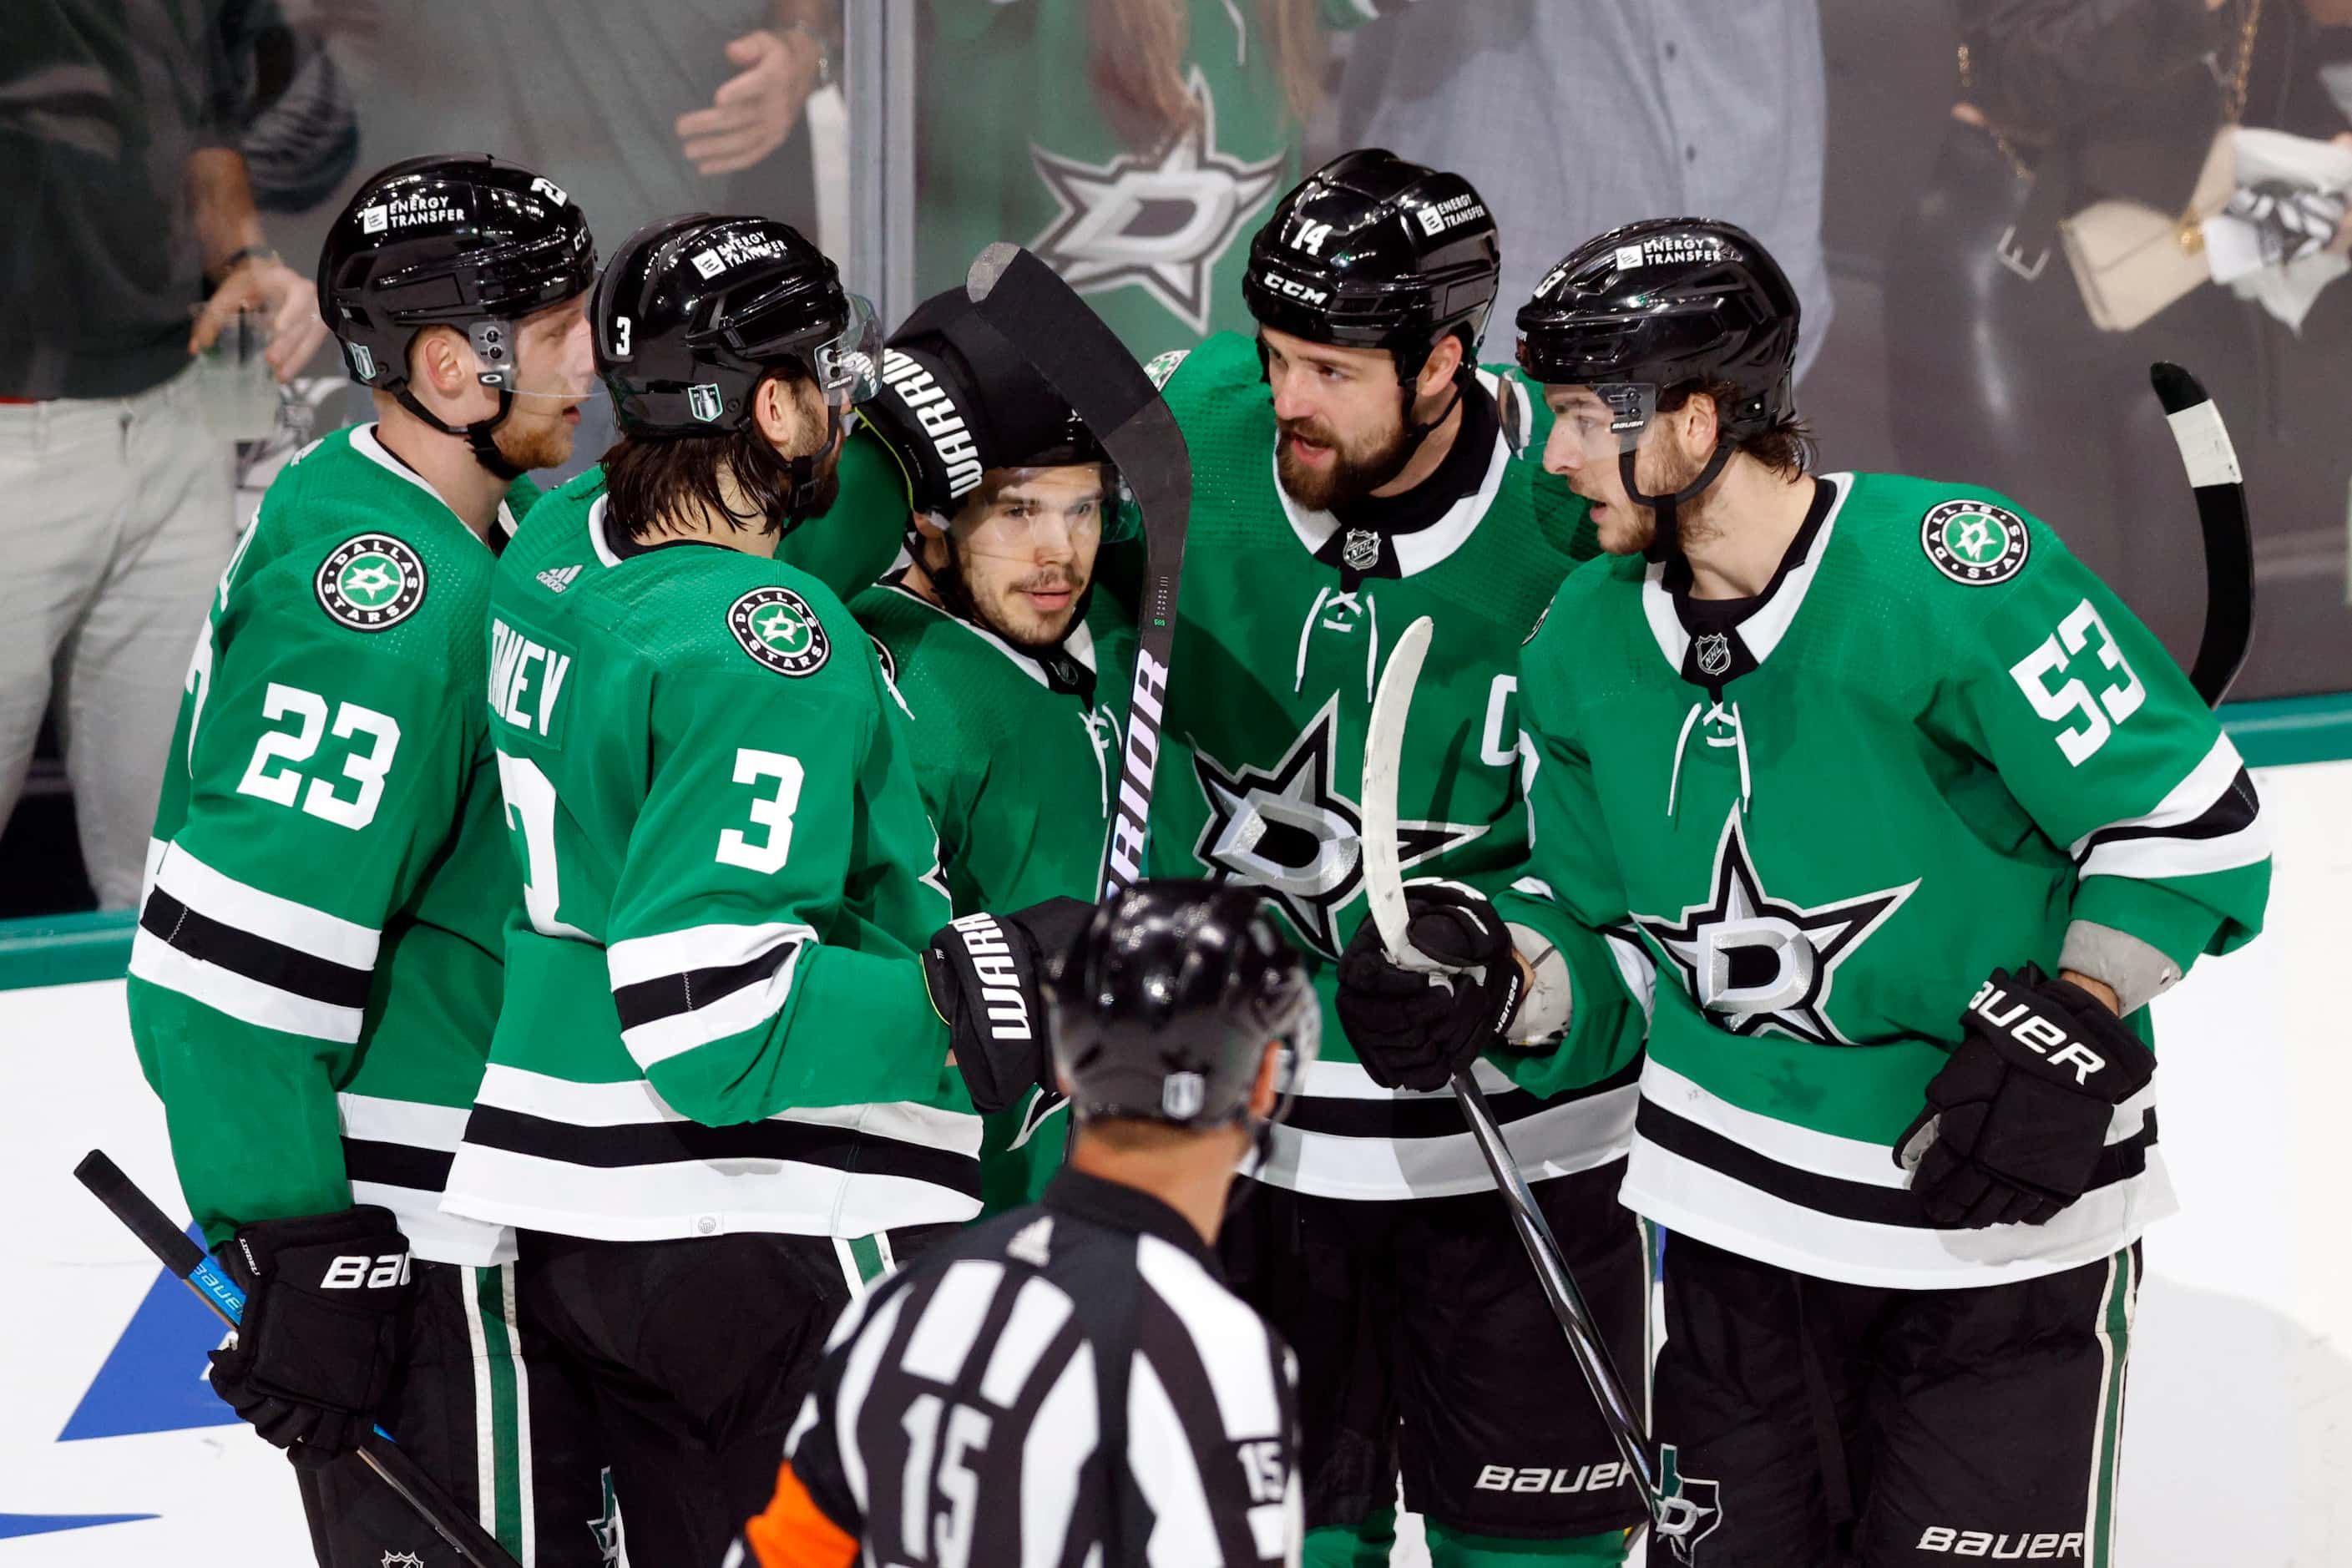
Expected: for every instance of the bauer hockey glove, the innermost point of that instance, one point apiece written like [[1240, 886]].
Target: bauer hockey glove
[[987, 975], [1414, 1028], [2017, 1121], [320, 1336]]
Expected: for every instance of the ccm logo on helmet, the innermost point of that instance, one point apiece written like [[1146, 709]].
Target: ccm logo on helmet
[[2036, 1033], [362, 1272], [1298, 291], [2005, 1547], [1000, 977]]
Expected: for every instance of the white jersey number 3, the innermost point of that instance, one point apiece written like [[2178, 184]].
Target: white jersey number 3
[[2071, 699]]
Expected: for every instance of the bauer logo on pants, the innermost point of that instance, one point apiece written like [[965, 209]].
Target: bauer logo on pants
[[1975, 542], [370, 582], [777, 627]]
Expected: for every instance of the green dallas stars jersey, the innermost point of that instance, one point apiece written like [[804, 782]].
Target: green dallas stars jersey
[[315, 977], [1013, 144], [1938, 741], [1270, 686], [715, 1016], [1017, 763]]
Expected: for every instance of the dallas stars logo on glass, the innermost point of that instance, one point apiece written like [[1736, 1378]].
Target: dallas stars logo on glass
[[1291, 835], [776, 627], [1756, 962], [1974, 542], [370, 582]]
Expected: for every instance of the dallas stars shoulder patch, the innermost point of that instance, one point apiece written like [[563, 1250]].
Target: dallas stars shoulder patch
[[776, 627], [1974, 542], [370, 582]]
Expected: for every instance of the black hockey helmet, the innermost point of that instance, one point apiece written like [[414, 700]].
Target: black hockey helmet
[[1641, 310], [1371, 251], [457, 240], [693, 310], [957, 400], [1162, 1010]]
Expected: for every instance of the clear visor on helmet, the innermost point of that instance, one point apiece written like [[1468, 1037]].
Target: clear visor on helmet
[[1044, 510], [1607, 418], [847, 368]]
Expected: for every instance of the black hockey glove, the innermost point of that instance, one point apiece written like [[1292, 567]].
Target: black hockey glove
[[315, 1350], [987, 975], [1413, 1029], [2017, 1120]]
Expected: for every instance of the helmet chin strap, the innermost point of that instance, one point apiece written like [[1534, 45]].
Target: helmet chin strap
[[1417, 431], [812, 493], [1666, 543], [478, 434]]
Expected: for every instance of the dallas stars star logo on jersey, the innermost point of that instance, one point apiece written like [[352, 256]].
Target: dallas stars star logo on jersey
[[372, 581], [1295, 836], [1974, 542], [776, 627], [1757, 962], [1160, 220]]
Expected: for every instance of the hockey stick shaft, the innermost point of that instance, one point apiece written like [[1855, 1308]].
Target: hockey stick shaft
[[1385, 892], [187, 1263], [2212, 462]]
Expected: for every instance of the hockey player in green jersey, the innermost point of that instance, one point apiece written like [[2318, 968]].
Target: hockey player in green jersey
[[316, 977], [721, 1096], [1915, 818], [1354, 470], [1015, 671]]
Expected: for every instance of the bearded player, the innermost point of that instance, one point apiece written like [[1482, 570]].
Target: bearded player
[[1916, 818], [1014, 671], [1353, 469], [316, 977]]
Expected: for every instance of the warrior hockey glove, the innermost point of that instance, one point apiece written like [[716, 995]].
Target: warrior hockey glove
[[987, 975], [2017, 1121], [1413, 1029], [315, 1350]]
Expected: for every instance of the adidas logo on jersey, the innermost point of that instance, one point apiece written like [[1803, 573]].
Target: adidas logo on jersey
[[558, 578], [1033, 1243]]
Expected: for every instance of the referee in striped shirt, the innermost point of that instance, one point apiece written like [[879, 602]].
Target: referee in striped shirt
[[1070, 1385]]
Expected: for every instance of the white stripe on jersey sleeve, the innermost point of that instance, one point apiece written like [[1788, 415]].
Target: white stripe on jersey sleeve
[[2161, 856], [371, 1119], [849, 1401], [642, 958], [951, 1320], [1229, 1338], [653, 1043], [634, 1100], [225, 991], [1038, 1313], [1063, 1434], [220, 897], [1183, 1533]]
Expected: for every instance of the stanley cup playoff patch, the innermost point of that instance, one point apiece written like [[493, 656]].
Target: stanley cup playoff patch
[[776, 627], [370, 582], [1974, 542]]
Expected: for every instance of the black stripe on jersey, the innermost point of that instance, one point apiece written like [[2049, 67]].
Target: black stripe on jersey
[[396, 1164], [257, 958], [2233, 811], [649, 1001], [671, 1142], [1165, 1342], [1439, 1118], [1834, 1195]]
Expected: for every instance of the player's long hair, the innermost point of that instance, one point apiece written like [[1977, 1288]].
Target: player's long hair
[[1141, 48]]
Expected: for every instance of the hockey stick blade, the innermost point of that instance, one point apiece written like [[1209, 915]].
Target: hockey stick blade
[[1063, 341], [187, 1262], [1675, 1518], [2212, 462]]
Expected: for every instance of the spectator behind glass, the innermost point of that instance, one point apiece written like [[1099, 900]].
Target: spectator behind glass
[[124, 200], [1134, 144], [1997, 366], [1574, 118], [638, 108]]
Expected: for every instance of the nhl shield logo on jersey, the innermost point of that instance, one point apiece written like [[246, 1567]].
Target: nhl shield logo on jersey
[[702, 401], [1974, 542], [1360, 551], [1714, 654], [776, 627], [370, 582]]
